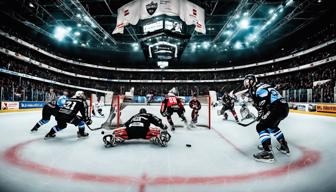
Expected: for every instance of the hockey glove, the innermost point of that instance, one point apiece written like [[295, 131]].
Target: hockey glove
[[165, 127], [88, 122], [164, 114]]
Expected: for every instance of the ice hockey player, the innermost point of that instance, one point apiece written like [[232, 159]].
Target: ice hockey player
[[68, 114], [150, 97], [170, 105], [51, 108], [195, 105], [138, 127], [272, 109], [97, 107], [245, 112], [228, 104]]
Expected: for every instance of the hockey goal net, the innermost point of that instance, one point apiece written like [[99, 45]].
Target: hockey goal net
[[123, 108]]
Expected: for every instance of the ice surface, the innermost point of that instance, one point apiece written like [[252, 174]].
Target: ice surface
[[219, 159]]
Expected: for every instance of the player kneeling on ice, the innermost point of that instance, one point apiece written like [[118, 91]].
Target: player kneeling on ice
[[228, 104], [195, 105], [138, 127], [170, 105], [272, 109], [68, 114]]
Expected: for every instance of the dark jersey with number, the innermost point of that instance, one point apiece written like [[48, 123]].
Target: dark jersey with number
[[228, 101], [195, 104], [144, 120], [74, 105], [171, 102], [264, 96]]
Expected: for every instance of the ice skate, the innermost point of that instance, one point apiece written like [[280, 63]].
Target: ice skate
[[82, 134], [283, 148], [50, 135], [34, 129], [264, 156]]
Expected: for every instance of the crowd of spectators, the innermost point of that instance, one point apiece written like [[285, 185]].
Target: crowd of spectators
[[15, 88], [310, 39], [20, 89], [109, 74]]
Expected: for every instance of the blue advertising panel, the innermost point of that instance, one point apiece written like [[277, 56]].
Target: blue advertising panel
[[31, 104]]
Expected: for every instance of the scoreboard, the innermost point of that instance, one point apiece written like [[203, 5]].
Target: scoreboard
[[168, 24]]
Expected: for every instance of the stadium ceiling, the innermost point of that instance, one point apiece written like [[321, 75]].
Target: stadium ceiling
[[230, 24], [98, 19]]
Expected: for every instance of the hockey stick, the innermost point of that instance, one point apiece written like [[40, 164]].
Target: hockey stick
[[93, 129], [247, 124]]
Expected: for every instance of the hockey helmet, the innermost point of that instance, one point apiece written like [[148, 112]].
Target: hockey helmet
[[79, 94], [65, 92], [250, 81], [170, 94], [142, 110]]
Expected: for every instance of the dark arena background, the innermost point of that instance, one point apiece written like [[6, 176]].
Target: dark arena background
[[167, 95]]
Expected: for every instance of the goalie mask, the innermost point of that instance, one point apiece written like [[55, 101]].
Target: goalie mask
[[250, 81], [142, 110]]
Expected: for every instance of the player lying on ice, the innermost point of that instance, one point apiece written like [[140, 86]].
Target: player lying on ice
[[68, 114], [138, 127], [272, 109]]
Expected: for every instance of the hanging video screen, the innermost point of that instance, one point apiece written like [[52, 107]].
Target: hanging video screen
[[153, 26], [174, 26]]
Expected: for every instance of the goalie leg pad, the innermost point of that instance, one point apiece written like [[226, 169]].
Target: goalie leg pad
[[121, 133], [152, 132]]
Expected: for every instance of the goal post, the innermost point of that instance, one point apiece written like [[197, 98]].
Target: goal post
[[119, 102]]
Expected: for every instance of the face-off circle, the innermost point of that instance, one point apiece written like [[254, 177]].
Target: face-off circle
[[11, 155]]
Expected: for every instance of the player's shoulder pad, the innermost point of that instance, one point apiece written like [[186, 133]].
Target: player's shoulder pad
[[262, 91]]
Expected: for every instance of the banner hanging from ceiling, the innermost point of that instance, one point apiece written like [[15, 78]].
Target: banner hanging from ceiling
[[137, 10]]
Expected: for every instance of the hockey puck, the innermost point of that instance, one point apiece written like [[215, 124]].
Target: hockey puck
[[188, 145], [102, 132]]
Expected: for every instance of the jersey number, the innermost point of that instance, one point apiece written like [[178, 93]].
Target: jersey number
[[172, 100], [69, 105]]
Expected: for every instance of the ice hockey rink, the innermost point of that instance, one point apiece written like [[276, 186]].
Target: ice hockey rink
[[220, 159]]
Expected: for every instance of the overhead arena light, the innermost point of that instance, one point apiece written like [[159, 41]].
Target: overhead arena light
[[289, 2], [77, 33], [61, 32], [206, 45], [251, 37], [135, 46], [244, 23], [228, 32], [238, 45]]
